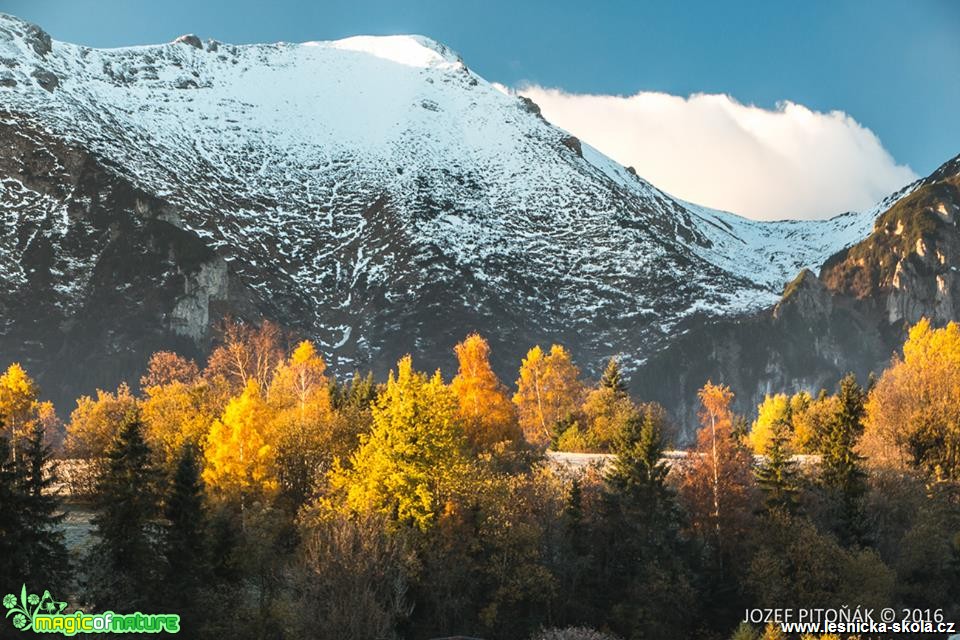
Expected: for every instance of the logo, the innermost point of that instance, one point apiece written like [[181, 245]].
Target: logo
[[43, 614]]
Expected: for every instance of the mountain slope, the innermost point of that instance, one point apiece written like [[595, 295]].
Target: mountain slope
[[373, 194], [853, 316]]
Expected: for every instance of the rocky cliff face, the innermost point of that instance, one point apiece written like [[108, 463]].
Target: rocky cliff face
[[96, 273], [852, 317]]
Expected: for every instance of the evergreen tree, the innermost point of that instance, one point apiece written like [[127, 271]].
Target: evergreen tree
[[184, 542], [841, 469], [612, 378], [574, 564], [13, 538], [638, 472], [359, 393], [46, 553], [125, 554], [778, 476], [642, 564]]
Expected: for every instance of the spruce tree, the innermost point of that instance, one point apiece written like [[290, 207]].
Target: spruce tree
[[184, 540], [612, 378], [13, 539], [778, 476], [46, 553], [841, 471], [638, 473], [125, 554], [642, 566]]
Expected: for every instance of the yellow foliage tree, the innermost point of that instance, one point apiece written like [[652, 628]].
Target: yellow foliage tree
[[486, 411], [166, 367], [548, 392], [18, 402], [413, 462], [95, 423], [775, 410], [717, 485], [300, 379], [240, 457], [176, 414], [605, 412], [913, 412], [811, 419], [303, 421]]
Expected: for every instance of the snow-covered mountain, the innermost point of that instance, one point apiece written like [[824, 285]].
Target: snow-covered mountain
[[372, 193]]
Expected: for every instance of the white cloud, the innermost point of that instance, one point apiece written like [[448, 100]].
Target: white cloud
[[788, 162]]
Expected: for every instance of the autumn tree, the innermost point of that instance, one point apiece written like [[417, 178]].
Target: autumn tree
[[18, 403], [412, 462], [485, 409], [717, 484], [246, 354], [166, 367], [95, 423], [303, 422], [548, 393], [176, 414], [773, 414], [812, 418], [606, 411], [913, 412], [240, 453]]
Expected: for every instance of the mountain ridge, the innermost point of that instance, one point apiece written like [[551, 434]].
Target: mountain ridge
[[377, 206]]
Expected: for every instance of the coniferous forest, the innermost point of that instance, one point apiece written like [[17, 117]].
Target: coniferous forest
[[258, 497]]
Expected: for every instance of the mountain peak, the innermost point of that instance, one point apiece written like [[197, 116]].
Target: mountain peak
[[370, 193], [13, 30], [410, 50]]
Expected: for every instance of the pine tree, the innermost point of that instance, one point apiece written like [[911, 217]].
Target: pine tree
[[612, 378], [778, 476], [574, 562], [47, 556], [359, 393], [841, 469], [125, 554], [184, 540]]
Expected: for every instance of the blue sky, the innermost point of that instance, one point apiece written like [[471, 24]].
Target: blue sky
[[894, 66]]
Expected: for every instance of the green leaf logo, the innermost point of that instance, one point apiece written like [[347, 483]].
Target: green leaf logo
[[28, 606]]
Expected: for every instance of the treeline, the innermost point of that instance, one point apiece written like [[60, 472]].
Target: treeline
[[260, 498]]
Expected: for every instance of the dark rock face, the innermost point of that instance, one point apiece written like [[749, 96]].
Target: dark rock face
[[852, 318], [573, 143], [105, 276], [190, 40]]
